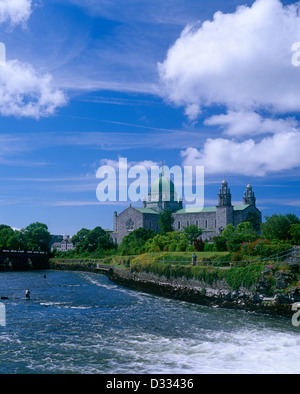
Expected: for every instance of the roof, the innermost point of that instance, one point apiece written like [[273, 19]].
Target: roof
[[192, 210], [240, 207], [209, 209], [196, 210], [147, 210]]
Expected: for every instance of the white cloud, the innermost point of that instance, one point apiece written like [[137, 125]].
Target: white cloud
[[241, 60], [26, 93], [192, 111], [272, 154], [15, 11], [243, 123]]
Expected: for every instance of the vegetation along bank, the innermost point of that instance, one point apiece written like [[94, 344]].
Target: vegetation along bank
[[265, 287]]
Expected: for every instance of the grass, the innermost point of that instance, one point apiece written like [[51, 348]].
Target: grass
[[179, 257]]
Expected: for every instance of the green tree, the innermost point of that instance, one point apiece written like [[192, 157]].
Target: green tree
[[277, 227], [99, 239], [255, 220], [235, 237], [228, 232], [134, 242], [5, 233], [292, 218], [79, 239], [37, 237], [166, 221], [246, 229], [17, 241], [192, 232], [295, 233], [220, 243], [173, 241], [91, 240]]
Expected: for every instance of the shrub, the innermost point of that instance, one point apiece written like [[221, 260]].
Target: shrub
[[277, 227], [223, 258], [208, 247], [199, 245], [174, 241], [295, 233], [236, 237], [243, 276], [237, 256], [272, 250], [253, 248], [134, 242], [220, 243]]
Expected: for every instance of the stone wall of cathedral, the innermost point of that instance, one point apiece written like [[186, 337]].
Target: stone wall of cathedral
[[127, 221], [204, 220]]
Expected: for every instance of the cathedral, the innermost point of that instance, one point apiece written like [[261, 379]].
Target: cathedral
[[162, 196]]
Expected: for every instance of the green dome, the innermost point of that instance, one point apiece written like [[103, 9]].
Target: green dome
[[162, 185]]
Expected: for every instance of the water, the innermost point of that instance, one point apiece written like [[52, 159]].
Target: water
[[83, 323]]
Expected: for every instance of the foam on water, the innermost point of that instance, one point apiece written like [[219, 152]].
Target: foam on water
[[83, 323]]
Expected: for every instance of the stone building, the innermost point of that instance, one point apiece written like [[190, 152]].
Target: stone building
[[162, 196], [62, 245]]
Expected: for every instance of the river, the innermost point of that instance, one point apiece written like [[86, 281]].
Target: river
[[82, 323]]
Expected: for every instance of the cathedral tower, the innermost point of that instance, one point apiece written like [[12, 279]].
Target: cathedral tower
[[249, 197], [224, 215]]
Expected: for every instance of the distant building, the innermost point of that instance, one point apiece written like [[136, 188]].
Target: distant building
[[212, 220], [62, 243]]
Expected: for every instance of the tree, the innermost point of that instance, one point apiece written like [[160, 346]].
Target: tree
[[220, 243], [99, 239], [166, 221], [173, 241], [134, 242], [235, 237], [79, 239], [228, 232], [17, 241], [5, 233], [255, 220], [192, 232], [277, 227], [295, 233], [292, 218], [92, 240], [246, 229], [37, 237]]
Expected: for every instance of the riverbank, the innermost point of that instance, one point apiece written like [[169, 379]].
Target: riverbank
[[259, 297]]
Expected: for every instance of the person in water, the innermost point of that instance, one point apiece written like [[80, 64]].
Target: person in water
[[27, 294]]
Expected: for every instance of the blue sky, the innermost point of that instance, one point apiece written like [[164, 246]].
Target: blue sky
[[88, 82]]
